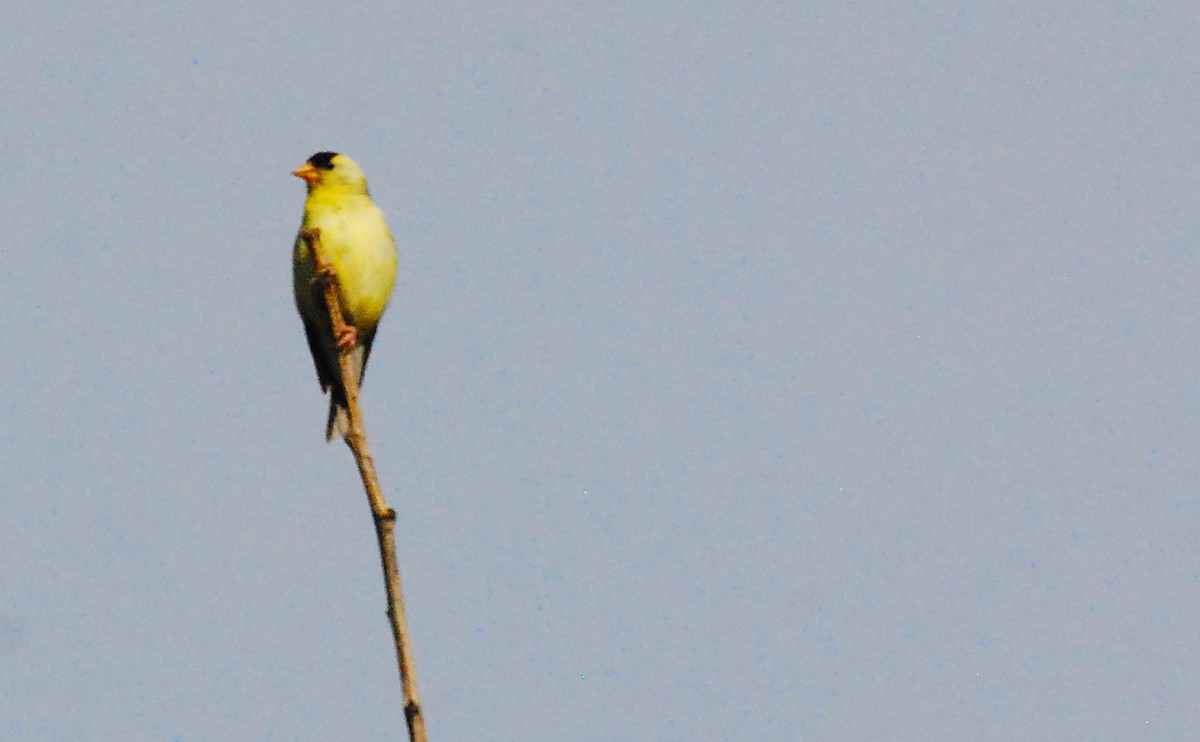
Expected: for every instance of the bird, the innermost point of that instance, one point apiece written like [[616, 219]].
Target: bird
[[357, 245]]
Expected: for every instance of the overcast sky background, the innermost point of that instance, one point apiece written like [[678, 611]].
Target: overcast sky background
[[756, 372]]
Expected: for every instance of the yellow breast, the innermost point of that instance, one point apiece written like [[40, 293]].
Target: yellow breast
[[356, 242]]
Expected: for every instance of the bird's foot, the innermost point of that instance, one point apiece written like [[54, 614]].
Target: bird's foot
[[325, 274], [347, 338]]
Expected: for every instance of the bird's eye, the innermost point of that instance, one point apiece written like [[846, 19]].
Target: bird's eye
[[323, 160]]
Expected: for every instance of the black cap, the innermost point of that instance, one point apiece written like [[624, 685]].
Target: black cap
[[323, 160]]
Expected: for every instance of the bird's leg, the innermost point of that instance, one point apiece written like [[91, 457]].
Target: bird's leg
[[347, 336]]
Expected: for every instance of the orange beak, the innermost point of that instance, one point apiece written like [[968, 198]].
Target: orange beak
[[306, 172]]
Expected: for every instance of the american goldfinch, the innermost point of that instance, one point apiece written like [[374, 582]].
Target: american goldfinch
[[356, 243]]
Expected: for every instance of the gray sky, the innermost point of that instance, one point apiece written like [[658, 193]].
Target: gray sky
[[756, 372]]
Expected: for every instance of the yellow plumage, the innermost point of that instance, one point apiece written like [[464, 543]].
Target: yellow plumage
[[355, 241]]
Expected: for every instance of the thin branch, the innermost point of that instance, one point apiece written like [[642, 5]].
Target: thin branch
[[384, 516]]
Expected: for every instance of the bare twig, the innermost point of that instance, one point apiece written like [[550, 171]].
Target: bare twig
[[384, 516]]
